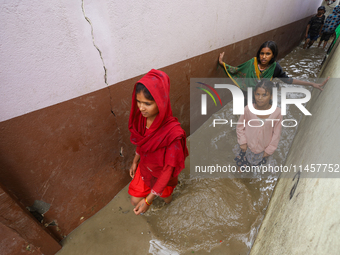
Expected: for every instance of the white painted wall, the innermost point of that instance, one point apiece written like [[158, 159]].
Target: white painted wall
[[308, 221], [47, 54]]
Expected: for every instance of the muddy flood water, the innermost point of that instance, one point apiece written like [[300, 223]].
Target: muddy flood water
[[223, 215], [207, 215]]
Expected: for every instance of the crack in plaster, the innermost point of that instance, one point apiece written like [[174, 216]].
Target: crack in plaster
[[105, 74], [100, 53]]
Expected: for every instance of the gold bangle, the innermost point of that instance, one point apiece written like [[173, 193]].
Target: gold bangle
[[146, 201]]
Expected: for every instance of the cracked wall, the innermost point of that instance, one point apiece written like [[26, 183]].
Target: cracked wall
[[50, 58], [59, 141]]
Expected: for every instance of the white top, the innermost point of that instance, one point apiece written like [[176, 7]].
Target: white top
[[333, 4]]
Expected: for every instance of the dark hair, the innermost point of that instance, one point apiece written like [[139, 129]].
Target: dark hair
[[267, 85], [322, 8], [272, 46], [141, 88]]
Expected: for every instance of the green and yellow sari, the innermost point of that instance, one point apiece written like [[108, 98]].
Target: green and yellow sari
[[248, 74]]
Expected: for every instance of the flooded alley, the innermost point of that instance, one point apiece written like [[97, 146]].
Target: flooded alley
[[216, 215], [69, 116]]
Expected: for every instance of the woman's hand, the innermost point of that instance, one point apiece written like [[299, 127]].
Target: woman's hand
[[132, 169], [134, 165], [141, 207], [307, 83], [220, 59], [244, 147], [320, 85], [265, 154]]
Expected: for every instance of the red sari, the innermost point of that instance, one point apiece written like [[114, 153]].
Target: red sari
[[162, 147]]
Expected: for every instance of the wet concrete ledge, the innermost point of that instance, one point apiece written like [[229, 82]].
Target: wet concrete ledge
[[303, 214]]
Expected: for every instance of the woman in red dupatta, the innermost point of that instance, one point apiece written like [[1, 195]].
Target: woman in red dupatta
[[161, 142]]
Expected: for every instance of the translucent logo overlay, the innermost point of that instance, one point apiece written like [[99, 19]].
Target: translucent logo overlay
[[217, 132]]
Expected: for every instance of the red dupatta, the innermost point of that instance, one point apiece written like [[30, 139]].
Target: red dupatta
[[151, 143]]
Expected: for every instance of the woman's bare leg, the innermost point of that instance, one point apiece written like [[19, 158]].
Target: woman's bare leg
[[168, 199], [135, 200], [324, 44]]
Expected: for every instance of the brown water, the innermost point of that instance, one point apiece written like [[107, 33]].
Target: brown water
[[223, 215]]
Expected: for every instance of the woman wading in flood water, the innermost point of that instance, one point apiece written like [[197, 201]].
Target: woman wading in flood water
[[264, 65], [161, 142]]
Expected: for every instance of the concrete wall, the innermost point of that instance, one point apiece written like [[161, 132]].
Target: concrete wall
[[50, 57], [65, 104], [303, 214]]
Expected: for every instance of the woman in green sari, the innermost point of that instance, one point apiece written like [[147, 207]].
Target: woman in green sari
[[263, 66]]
